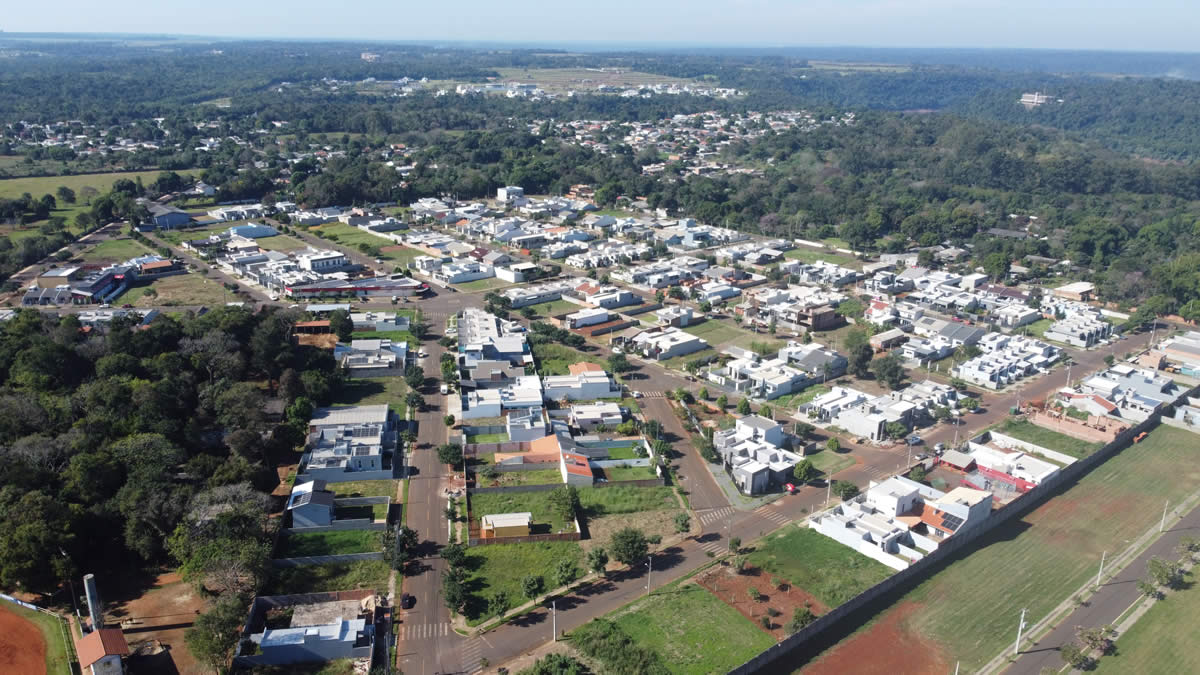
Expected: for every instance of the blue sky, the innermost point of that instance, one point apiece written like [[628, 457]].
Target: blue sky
[[1155, 25]]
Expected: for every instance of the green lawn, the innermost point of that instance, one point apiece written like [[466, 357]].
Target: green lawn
[[616, 473], [1162, 642], [1029, 432], [812, 255], [1056, 547], [717, 332], [389, 390], [692, 630], [680, 361], [372, 574], [622, 452], [363, 488], [555, 308], [553, 359], [613, 500], [793, 401], [115, 250], [482, 285], [502, 567], [280, 242], [178, 236], [372, 511], [828, 462], [1038, 328], [336, 542], [514, 478], [352, 237], [487, 438], [545, 519], [12, 188], [60, 657], [832, 572]]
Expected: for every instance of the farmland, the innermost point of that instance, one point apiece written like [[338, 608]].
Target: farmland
[[1056, 547]]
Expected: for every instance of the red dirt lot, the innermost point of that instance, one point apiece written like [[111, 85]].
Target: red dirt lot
[[734, 590], [886, 648], [22, 649], [154, 623]]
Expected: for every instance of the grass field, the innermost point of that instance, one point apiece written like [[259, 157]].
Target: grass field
[[11, 188], [718, 332], [280, 242], [482, 285], [809, 255], [616, 473], [680, 361], [692, 630], [554, 308], [59, 655], [1056, 547], [536, 503], [793, 401], [352, 237], [177, 237], [371, 574], [1031, 433], [363, 488], [336, 542], [828, 462], [389, 390], [553, 359], [1038, 328], [114, 251], [370, 511], [1162, 641], [487, 438], [514, 478], [831, 572], [608, 501], [181, 289], [501, 568]]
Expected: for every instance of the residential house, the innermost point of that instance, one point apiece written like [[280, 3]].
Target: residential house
[[338, 639], [666, 342], [349, 443], [589, 416], [311, 505], [167, 217], [582, 386]]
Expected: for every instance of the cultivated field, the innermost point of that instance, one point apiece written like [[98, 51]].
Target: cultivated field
[[692, 630], [563, 79], [1034, 562]]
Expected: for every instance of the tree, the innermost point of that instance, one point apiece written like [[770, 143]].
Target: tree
[[215, 632], [889, 370], [597, 560], [800, 618], [683, 522], [805, 472], [802, 429], [895, 430], [703, 393], [743, 406], [832, 445], [565, 502], [556, 664], [498, 603], [941, 413], [722, 401], [341, 325], [1165, 573], [414, 377], [528, 312], [858, 352], [735, 544], [455, 554], [1187, 548], [844, 489], [448, 420], [1099, 639], [1148, 589], [917, 473], [450, 453], [970, 403], [531, 586], [1109, 359], [765, 411], [618, 363], [65, 194], [628, 545], [414, 401], [1073, 656], [453, 593], [565, 571]]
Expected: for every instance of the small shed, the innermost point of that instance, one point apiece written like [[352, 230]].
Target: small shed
[[507, 524]]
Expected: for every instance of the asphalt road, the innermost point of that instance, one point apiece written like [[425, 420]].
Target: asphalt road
[[694, 476], [1113, 598]]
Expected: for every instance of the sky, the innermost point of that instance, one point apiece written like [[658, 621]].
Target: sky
[[1149, 25]]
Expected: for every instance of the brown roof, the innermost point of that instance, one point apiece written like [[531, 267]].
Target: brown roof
[[99, 644], [160, 265], [313, 324], [584, 367], [546, 444], [576, 464]]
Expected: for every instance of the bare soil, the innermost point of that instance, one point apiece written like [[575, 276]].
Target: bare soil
[[734, 590], [660, 522], [22, 648], [889, 647], [154, 623]]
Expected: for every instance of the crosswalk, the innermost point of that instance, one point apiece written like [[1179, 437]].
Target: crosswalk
[[715, 547], [422, 631], [773, 515], [654, 394], [471, 656], [716, 515]]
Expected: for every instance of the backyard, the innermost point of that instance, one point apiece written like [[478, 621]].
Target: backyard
[[501, 567], [1056, 547], [336, 542], [363, 488], [1029, 432], [487, 438], [692, 630], [830, 571], [370, 511], [372, 574]]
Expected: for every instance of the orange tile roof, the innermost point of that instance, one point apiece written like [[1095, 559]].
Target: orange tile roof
[[577, 464], [312, 324], [99, 644], [161, 264], [585, 367], [546, 444]]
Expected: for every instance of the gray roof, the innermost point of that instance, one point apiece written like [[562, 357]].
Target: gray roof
[[963, 332], [758, 422]]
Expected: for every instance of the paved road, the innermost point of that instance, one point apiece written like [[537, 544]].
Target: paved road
[[694, 476], [1113, 598]]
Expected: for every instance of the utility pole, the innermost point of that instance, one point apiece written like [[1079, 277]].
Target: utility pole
[[650, 568], [1101, 572], [1020, 627], [1163, 524], [554, 619]]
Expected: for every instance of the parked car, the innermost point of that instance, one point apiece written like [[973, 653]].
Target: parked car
[[939, 447], [914, 440], [406, 601], [127, 306], [443, 389]]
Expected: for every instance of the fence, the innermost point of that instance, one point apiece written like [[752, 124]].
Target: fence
[[63, 627], [1006, 441], [514, 488], [326, 559], [476, 449], [340, 525], [474, 538], [904, 579]]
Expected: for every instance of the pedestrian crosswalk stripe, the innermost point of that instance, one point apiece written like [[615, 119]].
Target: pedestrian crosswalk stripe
[[422, 631]]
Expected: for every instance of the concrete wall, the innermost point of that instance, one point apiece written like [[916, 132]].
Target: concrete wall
[[1006, 441], [906, 579], [326, 559], [338, 476], [1069, 426]]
